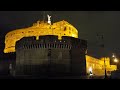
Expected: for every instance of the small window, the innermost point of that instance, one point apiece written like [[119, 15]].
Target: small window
[[65, 29], [69, 28]]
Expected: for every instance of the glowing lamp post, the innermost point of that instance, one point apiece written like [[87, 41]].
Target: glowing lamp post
[[116, 60], [113, 56]]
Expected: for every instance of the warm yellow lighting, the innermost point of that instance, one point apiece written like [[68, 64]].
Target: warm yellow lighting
[[90, 69], [113, 55], [116, 60], [40, 28], [97, 65], [73, 35]]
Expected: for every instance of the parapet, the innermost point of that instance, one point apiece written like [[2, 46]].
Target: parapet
[[49, 41]]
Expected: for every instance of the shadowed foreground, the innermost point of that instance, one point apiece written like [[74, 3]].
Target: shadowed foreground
[[46, 77]]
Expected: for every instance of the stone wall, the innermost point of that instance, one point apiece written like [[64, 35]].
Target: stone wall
[[48, 55]]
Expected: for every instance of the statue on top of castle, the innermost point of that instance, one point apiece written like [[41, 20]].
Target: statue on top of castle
[[49, 19]]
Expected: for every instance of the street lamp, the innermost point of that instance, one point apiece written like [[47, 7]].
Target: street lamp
[[116, 60], [113, 55]]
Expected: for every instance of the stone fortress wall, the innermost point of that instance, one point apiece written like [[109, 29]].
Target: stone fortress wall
[[51, 55]]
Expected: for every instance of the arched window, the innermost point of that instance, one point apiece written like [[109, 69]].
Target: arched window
[[65, 28], [69, 28]]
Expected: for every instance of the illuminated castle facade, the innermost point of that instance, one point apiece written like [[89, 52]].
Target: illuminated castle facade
[[59, 29], [51, 49], [98, 66]]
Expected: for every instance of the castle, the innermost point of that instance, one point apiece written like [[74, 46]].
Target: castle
[[52, 50]]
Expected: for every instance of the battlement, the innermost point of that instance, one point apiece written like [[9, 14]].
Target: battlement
[[50, 55], [50, 41]]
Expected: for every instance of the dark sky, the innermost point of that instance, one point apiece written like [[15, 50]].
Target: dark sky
[[88, 23]]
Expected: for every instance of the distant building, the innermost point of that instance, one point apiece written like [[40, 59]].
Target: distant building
[[98, 66]]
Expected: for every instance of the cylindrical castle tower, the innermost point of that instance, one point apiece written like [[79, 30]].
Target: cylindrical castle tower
[[47, 49]]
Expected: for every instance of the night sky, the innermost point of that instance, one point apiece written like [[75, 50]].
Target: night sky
[[88, 23]]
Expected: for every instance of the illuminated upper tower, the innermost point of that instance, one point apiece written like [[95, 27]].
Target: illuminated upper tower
[[41, 28]]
